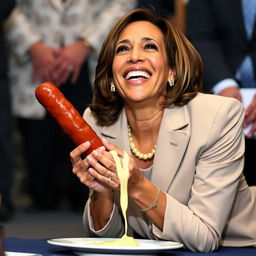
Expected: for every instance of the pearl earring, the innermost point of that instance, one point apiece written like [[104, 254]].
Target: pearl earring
[[112, 87], [171, 82]]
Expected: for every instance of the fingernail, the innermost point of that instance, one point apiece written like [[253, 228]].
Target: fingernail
[[105, 140], [101, 149], [89, 158], [86, 144], [90, 170]]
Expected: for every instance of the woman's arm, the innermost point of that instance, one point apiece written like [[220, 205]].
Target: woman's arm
[[21, 34], [200, 223]]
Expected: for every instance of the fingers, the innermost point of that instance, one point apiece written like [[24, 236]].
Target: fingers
[[250, 118], [232, 92], [75, 75], [63, 71], [110, 147], [75, 155], [252, 131], [103, 167], [80, 165]]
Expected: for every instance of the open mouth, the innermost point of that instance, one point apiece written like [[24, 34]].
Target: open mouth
[[136, 74]]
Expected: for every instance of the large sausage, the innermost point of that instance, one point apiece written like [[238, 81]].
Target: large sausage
[[66, 115]]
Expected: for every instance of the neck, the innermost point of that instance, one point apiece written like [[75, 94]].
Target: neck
[[144, 122], [144, 126], [145, 112]]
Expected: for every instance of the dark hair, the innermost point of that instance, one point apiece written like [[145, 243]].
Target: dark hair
[[106, 105]]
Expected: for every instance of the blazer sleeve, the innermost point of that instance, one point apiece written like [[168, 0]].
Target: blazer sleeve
[[21, 34], [202, 32], [114, 227], [200, 223]]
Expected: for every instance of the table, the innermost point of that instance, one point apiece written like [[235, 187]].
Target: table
[[40, 246]]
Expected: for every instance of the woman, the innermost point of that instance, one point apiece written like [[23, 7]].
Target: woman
[[186, 182]]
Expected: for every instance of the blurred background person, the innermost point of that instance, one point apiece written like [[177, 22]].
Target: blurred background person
[[225, 36], [6, 151], [53, 40], [163, 8], [172, 10]]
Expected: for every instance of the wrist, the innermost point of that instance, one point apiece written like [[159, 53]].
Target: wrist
[[146, 196], [101, 206], [34, 47], [98, 196], [154, 202], [86, 43]]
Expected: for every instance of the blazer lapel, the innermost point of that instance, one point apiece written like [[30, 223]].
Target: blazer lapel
[[118, 133], [172, 142]]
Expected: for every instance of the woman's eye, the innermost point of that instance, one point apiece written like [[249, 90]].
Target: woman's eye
[[151, 46], [121, 48]]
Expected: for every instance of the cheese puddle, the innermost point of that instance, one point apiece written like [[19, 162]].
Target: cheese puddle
[[123, 175]]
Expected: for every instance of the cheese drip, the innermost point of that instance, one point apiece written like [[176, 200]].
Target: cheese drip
[[123, 175]]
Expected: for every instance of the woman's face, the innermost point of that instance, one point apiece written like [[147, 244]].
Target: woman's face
[[140, 65]]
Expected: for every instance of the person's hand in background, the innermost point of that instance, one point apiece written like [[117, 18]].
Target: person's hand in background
[[70, 60], [250, 117], [232, 92], [44, 62]]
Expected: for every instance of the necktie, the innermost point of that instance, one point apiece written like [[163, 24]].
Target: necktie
[[245, 72], [249, 12]]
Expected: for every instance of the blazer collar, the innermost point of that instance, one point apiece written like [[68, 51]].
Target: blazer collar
[[118, 132], [172, 142]]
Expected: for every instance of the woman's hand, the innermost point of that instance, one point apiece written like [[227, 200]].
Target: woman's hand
[[81, 167], [135, 175], [98, 169]]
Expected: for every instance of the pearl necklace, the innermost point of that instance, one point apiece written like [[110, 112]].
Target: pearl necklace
[[136, 152]]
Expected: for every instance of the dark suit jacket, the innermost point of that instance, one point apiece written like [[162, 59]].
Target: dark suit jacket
[[216, 28], [5, 10]]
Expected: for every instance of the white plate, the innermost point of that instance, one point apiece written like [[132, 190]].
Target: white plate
[[147, 247], [21, 254]]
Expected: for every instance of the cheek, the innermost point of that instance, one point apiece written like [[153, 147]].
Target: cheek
[[116, 66], [159, 63]]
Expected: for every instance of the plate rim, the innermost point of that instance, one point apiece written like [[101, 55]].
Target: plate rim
[[120, 249]]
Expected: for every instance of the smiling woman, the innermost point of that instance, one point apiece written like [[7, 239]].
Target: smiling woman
[[185, 180], [140, 66]]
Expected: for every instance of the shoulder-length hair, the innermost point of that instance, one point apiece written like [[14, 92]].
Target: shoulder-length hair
[[182, 56]]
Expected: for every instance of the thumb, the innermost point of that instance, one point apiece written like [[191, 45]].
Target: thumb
[[109, 146]]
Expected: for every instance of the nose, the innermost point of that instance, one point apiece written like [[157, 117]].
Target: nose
[[136, 55]]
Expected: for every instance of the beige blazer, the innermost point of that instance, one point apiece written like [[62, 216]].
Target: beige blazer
[[198, 164]]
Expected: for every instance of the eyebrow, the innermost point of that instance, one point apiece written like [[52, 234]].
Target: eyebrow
[[145, 39]]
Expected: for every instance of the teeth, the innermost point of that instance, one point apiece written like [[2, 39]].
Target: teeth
[[135, 74]]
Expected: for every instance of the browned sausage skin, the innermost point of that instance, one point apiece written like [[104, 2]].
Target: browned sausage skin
[[66, 115]]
